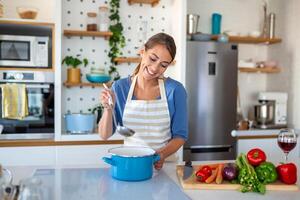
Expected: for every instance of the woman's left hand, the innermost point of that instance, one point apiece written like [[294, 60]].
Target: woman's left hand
[[159, 164]]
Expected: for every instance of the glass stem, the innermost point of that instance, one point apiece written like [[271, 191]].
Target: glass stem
[[286, 156]]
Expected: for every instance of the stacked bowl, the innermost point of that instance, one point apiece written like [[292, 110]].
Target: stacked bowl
[[97, 75]]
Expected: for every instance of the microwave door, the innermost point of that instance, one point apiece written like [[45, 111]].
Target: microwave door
[[16, 51]]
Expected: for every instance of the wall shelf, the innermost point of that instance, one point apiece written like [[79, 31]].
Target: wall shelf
[[120, 60], [48, 69], [250, 40], [25, 22], [260, 70], [86, 84], [106, 34], [152, 2]]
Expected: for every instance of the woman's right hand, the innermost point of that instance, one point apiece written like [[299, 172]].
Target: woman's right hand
[[104, 98]]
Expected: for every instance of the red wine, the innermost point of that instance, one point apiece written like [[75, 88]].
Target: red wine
[[287, 146]]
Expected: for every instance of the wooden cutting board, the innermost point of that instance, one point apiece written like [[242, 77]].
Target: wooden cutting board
[[192, 183]]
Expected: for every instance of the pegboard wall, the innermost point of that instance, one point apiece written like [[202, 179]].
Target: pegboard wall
[[140, 21]]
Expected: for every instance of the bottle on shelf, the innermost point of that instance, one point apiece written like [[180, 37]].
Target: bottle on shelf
[[103, 18], [272, 25], [91, 21]]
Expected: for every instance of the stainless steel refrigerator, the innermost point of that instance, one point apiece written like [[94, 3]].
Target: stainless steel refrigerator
[[211, 83]]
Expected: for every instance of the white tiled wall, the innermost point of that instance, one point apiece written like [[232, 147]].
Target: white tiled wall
[[289, 56], [140, 21], [243, 17]]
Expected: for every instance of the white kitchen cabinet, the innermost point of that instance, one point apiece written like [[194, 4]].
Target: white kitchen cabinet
[[83, 154], [27, 156], [54, 155]]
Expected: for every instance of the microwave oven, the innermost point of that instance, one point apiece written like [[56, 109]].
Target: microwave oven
[[24, 51]]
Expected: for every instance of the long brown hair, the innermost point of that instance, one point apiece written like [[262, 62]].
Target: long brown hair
[[159, 39]]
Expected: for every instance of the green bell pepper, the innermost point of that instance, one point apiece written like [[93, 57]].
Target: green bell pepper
[[266, 172]]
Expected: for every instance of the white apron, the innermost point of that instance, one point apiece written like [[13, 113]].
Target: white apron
[[150, 119]]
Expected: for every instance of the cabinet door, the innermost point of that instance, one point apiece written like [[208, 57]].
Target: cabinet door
[[270, 147], [25, 156], [83, 154]]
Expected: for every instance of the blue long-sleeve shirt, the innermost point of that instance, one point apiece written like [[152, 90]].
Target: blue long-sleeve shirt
[[177, 103]]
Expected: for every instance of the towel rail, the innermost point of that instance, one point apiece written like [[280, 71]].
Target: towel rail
[[37, 86], [44, 86]]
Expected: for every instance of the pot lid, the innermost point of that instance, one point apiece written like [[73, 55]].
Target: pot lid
[[131, 151]]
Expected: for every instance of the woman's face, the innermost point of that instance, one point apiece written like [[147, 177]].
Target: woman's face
[[154, 62]]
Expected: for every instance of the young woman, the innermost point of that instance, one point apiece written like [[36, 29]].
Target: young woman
[[153, 106]]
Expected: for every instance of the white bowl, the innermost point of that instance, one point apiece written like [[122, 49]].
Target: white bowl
[[255, 34], [231, 33]]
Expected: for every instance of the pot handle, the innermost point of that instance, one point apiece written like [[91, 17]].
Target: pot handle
[[156, 158], [109, 161]]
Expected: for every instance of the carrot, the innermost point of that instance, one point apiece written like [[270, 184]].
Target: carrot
[[219, 178], [212, 176]]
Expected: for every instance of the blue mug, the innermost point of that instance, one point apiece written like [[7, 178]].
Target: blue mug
[[216, 23]]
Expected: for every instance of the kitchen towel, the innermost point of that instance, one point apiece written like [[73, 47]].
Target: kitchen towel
[[14, 101]]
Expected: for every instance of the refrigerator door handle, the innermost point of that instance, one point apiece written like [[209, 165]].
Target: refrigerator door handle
[[210, 148]]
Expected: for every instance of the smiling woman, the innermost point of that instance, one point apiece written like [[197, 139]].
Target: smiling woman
[[153, 106]]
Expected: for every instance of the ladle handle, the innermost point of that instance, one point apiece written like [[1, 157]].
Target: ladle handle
[[112, 107], [110, 102]]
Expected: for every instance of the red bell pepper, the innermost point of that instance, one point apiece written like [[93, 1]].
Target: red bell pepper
[[203, 173], [256, 156], [287, 173]]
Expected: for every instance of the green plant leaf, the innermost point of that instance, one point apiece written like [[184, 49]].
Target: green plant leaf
[[74, 62], [85, 62], [117, 40]]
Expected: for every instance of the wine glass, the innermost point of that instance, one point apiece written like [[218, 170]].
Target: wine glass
[[287, 140]]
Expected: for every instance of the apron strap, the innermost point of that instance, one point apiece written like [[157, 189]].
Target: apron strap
[[161, 84], [162, 89], [130, 93]]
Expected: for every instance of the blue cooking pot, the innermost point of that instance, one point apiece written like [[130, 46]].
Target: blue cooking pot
[[79, 123], [131, 163]]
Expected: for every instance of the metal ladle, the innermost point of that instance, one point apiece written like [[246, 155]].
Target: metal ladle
[[122, 130]]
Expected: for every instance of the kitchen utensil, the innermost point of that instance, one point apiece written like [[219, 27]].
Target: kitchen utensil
[[231, 33], [265, 21], [264, 113], [287, 140], [188, 170], [269, 63], [255, 34], [131, 163], [97, 70], [7, 190], [79, 123], [122, 130], [97, 78], [272, 25], [31, 189], [26, 12], [192, 23], [216, 23], [193, 183], [201, 37]]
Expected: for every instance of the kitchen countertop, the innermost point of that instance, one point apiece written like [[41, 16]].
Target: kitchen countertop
[[94, 182], [255, 133]]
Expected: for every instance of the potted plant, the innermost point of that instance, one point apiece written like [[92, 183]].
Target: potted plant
[[74, 73], [117, 40]]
